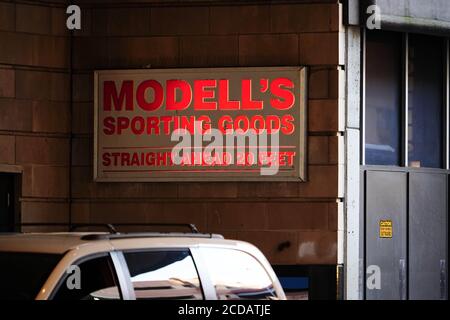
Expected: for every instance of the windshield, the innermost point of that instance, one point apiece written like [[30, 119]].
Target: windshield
[[23, 274]]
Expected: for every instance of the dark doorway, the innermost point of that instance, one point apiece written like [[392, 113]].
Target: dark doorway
[[7, 202], [308, 282]]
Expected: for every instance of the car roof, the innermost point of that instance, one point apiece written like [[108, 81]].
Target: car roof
[[61, 242]]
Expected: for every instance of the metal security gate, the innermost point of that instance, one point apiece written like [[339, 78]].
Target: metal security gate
[[405, 219]]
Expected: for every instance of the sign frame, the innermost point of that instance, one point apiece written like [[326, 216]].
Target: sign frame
[[303, 132]]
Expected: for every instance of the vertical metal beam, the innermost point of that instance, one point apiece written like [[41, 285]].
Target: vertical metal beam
[[446, 105], [405, 102], [349, 232], [362, 182], [363, 97], [404, 291]]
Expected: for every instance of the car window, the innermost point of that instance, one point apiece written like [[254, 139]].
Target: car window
[[237, 275], [164, 274], [22, 274], [94, 279]]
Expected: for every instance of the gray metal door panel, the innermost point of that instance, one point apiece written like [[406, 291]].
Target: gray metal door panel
[[427, 236], [386, 200]]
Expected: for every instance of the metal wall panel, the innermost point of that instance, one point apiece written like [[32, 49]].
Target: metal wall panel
[[414, 16], [386, 200], [427, 236]]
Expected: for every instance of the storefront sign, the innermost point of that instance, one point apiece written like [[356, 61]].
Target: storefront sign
[[200, 124]]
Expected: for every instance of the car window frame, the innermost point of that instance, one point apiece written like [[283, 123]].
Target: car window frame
[[204, 285], [123, 275], [209, 291], [82, 260]]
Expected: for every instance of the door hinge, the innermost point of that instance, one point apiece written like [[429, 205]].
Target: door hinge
[[443, 279], [402, 279]]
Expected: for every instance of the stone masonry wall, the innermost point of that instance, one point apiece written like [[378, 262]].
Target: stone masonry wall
[[34, 105], [170, 34]]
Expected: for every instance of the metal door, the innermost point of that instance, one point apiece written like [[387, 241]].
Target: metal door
[[386, 253], [6, 202], [427, 236]]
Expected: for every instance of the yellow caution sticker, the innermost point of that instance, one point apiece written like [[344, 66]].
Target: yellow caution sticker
[[385, 228]]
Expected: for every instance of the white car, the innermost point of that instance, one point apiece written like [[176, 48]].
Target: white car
[[98, 266]]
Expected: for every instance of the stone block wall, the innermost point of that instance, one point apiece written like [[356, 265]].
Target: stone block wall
[[35, 120]]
